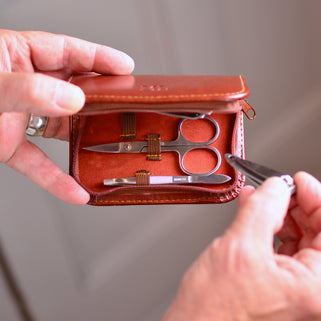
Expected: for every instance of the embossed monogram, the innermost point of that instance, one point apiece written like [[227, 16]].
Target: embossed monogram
[[153, 88]]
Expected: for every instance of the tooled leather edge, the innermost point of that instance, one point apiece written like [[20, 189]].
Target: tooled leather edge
[[71, 144], [75, 132], [238, 148]]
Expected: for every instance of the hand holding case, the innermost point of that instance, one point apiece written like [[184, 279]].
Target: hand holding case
[[154, 99]]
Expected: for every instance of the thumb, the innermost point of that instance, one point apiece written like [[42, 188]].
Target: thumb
[[261, 215], [39, 94]]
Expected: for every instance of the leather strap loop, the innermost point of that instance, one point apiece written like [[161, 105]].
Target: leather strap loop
[[142, 177], [153, 147], [128, 126]]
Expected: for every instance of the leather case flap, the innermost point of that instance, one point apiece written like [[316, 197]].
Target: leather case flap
[[162, 93]]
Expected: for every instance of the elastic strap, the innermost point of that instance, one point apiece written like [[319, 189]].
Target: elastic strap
[[142, 177], [153, 147], [128, 126]]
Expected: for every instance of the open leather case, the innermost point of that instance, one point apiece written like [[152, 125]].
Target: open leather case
[[151, 108]]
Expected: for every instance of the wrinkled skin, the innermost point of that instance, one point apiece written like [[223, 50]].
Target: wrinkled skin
[[240, 277], [34, 67]]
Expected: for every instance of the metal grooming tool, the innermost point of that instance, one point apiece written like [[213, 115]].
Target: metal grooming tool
[[258, 173], [181, 145], [196, 115], [161, 180]]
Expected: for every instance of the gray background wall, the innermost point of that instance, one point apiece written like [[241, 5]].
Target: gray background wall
[[125, 263]]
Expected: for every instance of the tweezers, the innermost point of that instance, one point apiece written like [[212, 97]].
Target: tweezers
[[258, 173]]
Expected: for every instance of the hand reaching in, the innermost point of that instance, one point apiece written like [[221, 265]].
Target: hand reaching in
[[240, 277], [34, 67]]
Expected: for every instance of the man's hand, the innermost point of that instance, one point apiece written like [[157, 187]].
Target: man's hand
[[240, 277], [33, 70]]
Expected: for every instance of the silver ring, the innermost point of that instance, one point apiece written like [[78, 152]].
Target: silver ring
[[36, 125]]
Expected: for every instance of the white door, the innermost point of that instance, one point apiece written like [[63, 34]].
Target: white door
[[124, 263]]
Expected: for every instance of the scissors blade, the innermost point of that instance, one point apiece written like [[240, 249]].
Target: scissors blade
[[105, 148], [257, 173], [122, 147]]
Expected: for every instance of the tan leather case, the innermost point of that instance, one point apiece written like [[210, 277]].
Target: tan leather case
[[151, 98]]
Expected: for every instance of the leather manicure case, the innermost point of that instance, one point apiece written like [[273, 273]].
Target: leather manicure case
[[151, 108]]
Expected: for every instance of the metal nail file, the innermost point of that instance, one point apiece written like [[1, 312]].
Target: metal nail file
[[161, 180]]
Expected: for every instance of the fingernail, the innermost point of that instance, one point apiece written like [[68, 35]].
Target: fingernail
[[126, 64], [131, 64], [69, 96]]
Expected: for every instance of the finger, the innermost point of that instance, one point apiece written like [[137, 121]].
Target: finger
[[57, 127], [12, 133], [311, 259], [301, 218], [290, 230], [308, 192], [262, 214], [307, 240], [39, 94], [316, 242], [311, 225], [245, 193], [30, 161], [75, 54], [307, 213]]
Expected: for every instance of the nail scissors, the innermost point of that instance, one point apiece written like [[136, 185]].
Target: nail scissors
[[258, 173], [181, 145]]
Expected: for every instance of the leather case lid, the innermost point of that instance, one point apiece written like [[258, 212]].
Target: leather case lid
[[163, 92]]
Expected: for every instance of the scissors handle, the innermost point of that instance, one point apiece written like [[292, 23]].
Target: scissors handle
[[182, 146], [183, 140], [210, 148]]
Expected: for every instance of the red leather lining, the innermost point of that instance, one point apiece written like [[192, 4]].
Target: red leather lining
[[91, 168]]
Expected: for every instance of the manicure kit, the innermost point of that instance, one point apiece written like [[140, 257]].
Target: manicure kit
[[159, 139]]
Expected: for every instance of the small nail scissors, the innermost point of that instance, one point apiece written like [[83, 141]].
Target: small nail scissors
[[258, 173], [181, 145]]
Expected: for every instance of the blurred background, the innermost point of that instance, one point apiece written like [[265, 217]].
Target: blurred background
[[124, 263]]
